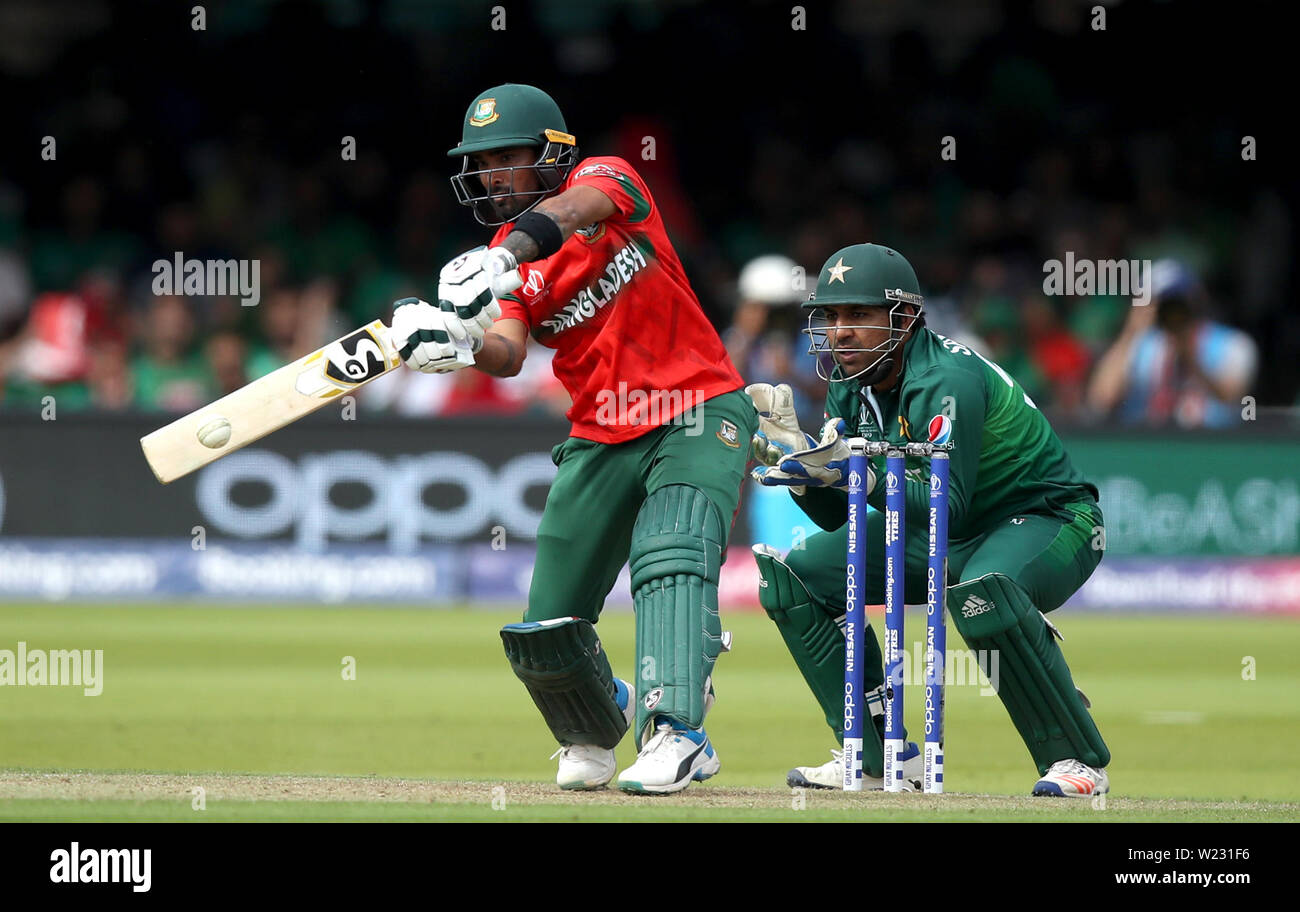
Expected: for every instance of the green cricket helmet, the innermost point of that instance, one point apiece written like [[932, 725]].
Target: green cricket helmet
[[870, 275], [509, 116]]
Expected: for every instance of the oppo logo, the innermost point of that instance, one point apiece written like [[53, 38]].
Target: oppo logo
[[299, 500]]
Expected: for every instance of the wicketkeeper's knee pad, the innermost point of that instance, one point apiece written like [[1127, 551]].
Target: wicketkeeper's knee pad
[[675, 559], [1025, 665], [568, 676], [816, 643]]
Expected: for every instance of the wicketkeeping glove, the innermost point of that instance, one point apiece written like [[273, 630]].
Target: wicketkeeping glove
[[825, 465], [778, 427], [778, 432], [423, 335]]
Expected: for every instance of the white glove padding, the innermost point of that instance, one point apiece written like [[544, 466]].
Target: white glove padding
[[468, 288], [423, 335], [778, 427], [500, 264], [824, 466]]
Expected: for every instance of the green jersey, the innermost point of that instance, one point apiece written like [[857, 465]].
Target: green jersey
[[1005, 460]]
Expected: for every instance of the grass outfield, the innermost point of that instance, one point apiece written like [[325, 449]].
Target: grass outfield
[[209, 692]]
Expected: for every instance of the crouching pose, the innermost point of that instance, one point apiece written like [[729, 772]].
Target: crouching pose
[[1025, 529]]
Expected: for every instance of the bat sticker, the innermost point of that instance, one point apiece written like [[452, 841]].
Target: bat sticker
[[355, 359]]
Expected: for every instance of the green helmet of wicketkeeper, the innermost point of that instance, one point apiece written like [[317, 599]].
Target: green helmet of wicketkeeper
[[880, 281]]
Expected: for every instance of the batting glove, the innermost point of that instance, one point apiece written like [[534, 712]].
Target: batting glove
[[428, 339], [468, 288]]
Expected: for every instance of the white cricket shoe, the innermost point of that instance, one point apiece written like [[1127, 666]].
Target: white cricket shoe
[[1073, 779], [585, 766], [673, 758], [830, 775]]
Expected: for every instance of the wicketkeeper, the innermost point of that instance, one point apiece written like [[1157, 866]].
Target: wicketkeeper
[[1025, 530], [652, 470]]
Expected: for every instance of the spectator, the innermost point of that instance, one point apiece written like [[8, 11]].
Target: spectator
[[294, 322], [998, 324], [763, 340], [1060, 358], [1171, 364], [226, 355], [142, 173], [58, 257], [167, 375], [51, 355], [109, 375], [15, 292]]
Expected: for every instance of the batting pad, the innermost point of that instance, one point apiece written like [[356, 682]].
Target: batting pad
[[675, 559], [996, 618], [568, 676], [816, 642]]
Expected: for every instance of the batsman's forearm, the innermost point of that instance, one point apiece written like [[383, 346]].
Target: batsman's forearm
[[566, 215], [571, 210], [522, 245], [499, 356]]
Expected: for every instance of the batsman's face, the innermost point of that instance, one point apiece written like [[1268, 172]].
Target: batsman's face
[[506, 174]]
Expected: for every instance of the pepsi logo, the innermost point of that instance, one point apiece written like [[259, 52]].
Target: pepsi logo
[[940, 430]]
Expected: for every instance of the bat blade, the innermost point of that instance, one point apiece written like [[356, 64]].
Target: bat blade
[[270, 402]]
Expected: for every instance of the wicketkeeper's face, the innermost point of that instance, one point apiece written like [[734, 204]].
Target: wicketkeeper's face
[[856, 334], [505, 174]]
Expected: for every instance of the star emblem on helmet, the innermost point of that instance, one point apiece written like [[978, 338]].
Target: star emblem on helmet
[[837, 272]]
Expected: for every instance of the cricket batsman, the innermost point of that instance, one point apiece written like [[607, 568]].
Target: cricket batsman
[[651, 472], [1025, 529]]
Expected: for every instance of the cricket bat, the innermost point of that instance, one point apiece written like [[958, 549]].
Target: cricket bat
[[269, 403]]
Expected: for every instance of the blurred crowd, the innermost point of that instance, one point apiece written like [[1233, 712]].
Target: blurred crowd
[[186, 169]]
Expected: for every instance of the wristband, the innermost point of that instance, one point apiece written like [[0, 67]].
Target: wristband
[[542, 229]]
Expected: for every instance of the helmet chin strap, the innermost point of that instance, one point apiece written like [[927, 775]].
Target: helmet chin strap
[[879, 372]]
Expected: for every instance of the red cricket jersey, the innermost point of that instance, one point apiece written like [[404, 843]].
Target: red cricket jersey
[[632, 346]]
